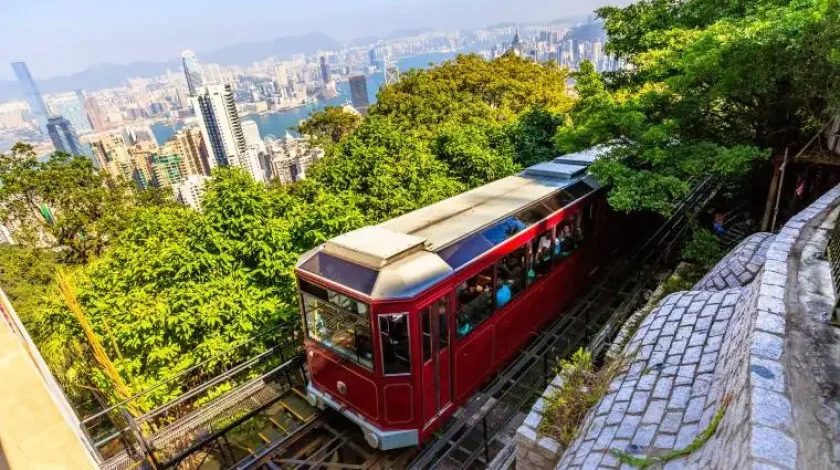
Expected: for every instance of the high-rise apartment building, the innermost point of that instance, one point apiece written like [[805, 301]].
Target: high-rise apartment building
[[291, 157], [212, 74], [191, 191], [252, 133], [359, 92], [168, 168], [109, 149], [189, 144], [95, 114], [33, 96], [122, 160], [63, 136], [325, 70], [220, 125], [281, 78], [72, 107], [192, 71]]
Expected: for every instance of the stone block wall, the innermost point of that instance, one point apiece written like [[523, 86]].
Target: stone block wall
[[534, 451], [721, 344]]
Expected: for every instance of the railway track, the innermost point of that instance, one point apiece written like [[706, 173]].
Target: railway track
[[480, 434]]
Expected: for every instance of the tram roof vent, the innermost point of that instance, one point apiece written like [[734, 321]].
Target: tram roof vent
[[555, 170], [582, 158], [374, 247]]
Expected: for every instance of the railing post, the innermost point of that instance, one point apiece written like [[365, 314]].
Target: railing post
[[545, 370], [486, 443], [141, 440]]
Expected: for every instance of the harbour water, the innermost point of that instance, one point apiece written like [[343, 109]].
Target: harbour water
[[276, 124]]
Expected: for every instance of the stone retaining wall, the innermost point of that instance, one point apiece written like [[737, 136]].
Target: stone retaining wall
[[721, 345]]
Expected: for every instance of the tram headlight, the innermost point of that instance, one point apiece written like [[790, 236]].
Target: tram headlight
[[311, 399], [372, 439]]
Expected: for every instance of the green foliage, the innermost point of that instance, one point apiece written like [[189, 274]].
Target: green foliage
[[26, 274], [715, 88], [178, 287], [387, 171], [470, 90], [582, 386], [474, 155], [703, 249], [329, 125], [65, 203]]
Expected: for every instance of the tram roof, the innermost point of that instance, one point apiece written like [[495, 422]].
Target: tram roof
[[405, 255]]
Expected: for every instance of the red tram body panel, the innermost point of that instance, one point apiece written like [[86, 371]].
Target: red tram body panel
[[406, 320]]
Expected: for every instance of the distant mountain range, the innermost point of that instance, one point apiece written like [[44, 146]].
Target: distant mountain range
[[109, 75]]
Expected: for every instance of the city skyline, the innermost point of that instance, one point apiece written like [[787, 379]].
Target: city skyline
[[64, 39]]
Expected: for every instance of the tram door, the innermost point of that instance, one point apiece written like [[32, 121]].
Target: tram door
[[437, 361]]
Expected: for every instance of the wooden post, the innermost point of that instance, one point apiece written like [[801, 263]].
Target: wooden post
[[779, 190], [771, 196]]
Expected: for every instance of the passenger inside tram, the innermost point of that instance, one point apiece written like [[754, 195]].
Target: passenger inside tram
[[503, 293], [475, 301], [541, 257]]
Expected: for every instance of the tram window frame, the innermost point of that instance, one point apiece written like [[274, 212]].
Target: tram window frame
[[469, 309], [426, 333], [580, 226], [515, 282], [439, 307], [533, 250], [387, 319], [317, 302]]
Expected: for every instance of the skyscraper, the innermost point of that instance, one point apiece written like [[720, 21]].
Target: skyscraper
[[33, 95], [325, 70], [64, 137], [72, 107], [192, 71], [220, 125], [95, 114], [359, 92], [280, 78], [252, 133]]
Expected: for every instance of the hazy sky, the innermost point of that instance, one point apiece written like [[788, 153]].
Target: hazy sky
[[60, 37]]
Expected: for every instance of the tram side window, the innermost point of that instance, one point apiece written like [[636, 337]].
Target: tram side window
[[569, 236], [393, 331], [540, 256], [474, 302], [510, 277]]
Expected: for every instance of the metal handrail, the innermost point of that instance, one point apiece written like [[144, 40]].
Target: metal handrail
[[171, 379], [832, 252]]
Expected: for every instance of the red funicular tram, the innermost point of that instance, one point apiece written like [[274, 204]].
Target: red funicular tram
[[406, 319]]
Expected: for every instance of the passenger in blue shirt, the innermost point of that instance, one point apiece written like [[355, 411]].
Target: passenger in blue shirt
[[503, 294]]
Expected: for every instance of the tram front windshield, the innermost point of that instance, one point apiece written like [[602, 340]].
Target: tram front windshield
[[338, 322]]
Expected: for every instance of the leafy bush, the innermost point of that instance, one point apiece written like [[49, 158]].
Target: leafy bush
[[582, 387]]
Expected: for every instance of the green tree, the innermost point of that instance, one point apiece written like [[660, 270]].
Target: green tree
[[26, 275], [329, 125], [715, 86], [388, 172], [64, 202]]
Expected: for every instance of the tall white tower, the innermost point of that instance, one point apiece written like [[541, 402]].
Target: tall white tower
[[220, 125], [192, 70]]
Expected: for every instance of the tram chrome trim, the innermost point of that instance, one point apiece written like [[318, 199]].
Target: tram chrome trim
[[387, 439]]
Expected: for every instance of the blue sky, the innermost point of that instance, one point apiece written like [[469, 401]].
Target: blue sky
[[59, 37]]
